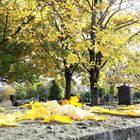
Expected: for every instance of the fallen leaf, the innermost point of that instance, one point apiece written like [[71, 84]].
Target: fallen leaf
[[7, 120], [97, 109], [38, 111], [115, 112], [74, 100], [78, 113], [29, 105], [130, 107], [52, 106], [62, 119], [64, 102]]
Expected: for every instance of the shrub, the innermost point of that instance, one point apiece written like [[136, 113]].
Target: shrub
[[21, 94], [55, 91], [136, 96]]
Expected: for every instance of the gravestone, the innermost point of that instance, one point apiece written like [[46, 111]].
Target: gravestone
[[124, 97]]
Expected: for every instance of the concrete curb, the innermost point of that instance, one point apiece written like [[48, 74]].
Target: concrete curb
[[131, 133]]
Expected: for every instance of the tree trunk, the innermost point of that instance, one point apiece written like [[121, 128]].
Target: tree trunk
[[68, 77], [94, 91], [95, 57], [94, 95], [111, 96]]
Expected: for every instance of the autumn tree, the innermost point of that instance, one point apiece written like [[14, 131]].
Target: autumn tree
[[60, 40], [61, 36], [11, 48], [109, 27], [20, 58]]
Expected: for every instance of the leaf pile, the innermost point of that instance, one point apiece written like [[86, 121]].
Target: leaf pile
[[67, 112], [48, 112]]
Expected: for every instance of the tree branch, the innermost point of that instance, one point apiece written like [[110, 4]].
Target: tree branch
[[115, 12], [29, 17], [137, 33], [56, 25], [83, 37], [125, 22], [110, 18], [83, 9], [51, 5], [103, 64], [89, 5], [125, 25], [85, 67]]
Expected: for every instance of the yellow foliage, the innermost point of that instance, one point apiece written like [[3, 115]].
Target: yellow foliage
[[69, 110], [7, 120], [115, 112], [103, 110], [62, 119], [81, 46], [38, 111], [17, 115], [29, 106], [52, 106], [65, 102], [130, 107], [74, 100], [46, 120], [130, 113], [50, 112], [78, 113], [72, 59]]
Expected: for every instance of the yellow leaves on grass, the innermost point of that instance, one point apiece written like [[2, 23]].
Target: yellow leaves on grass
[[130, 107], [134, 113], [115, 112], [131, 110], [102, 110]]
